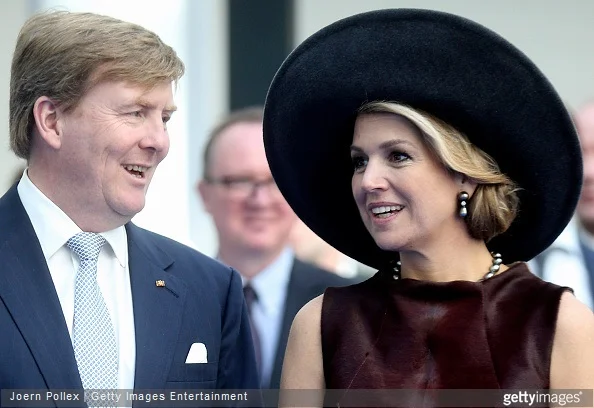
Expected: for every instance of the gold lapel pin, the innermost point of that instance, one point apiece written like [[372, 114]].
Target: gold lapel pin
[[160, 283]]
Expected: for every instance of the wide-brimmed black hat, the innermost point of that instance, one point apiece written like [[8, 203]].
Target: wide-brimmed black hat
[[440, 63]]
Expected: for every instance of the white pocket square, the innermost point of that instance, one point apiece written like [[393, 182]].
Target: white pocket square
[[197, 354]]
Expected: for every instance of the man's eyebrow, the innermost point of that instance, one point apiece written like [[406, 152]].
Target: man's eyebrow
[[148, 105]]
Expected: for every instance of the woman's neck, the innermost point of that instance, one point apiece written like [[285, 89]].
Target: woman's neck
[[469, 260]]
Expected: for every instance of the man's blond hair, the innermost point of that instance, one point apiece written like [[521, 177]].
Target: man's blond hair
[[62, 55]]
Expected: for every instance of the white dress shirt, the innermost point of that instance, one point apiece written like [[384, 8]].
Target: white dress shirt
[[271, 286], [53, 228]]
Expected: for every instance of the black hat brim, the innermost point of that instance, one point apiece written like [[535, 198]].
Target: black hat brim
[[443, 64]]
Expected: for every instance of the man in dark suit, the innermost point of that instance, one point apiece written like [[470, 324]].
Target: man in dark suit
[[88, 299], [253, 222]]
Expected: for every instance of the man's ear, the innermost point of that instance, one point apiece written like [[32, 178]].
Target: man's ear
[[203, 190], [47, 123]]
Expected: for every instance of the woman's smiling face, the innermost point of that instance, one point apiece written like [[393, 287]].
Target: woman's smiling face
[[406, 197]]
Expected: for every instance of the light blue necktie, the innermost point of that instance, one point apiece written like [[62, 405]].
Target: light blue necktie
[[95, 346]]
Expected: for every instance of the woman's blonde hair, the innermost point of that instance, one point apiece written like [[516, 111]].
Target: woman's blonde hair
[[494, 204], [62, 55]]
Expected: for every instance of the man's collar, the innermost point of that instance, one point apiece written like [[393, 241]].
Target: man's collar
[[54, 228]]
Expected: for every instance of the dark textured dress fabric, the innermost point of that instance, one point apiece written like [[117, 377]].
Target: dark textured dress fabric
[[410, 334]]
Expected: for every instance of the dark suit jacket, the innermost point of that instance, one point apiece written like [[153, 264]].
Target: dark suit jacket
[[202, 302], [306, 282]]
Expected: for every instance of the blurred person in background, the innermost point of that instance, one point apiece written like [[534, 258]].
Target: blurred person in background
[[569, 261], [253, 223], [88, 299]]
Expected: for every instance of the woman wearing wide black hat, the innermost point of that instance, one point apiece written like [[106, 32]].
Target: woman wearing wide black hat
[[425, 145]]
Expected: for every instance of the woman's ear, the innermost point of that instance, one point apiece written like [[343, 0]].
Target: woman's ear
[[466, 184], [47, 123]]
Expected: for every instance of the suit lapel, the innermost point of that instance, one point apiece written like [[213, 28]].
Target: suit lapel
[[158, 310], [27, 290]]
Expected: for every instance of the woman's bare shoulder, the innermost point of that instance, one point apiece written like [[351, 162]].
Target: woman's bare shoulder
[[310, 314], [303, 366]]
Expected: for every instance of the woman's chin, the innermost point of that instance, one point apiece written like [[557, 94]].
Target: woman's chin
[[389, 245]]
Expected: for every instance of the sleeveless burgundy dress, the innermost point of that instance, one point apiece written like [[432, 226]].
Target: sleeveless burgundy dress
[[410, 334]]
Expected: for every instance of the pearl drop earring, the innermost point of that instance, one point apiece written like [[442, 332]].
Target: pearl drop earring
[[462, 200]]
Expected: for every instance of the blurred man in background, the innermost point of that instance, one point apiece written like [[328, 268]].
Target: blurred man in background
[[254, 222], [570, 260]]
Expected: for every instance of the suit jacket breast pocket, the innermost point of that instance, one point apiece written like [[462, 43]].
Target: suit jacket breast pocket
[[199, 375]]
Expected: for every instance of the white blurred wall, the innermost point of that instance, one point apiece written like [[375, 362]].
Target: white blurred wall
[[12, 16], [556, 35]]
